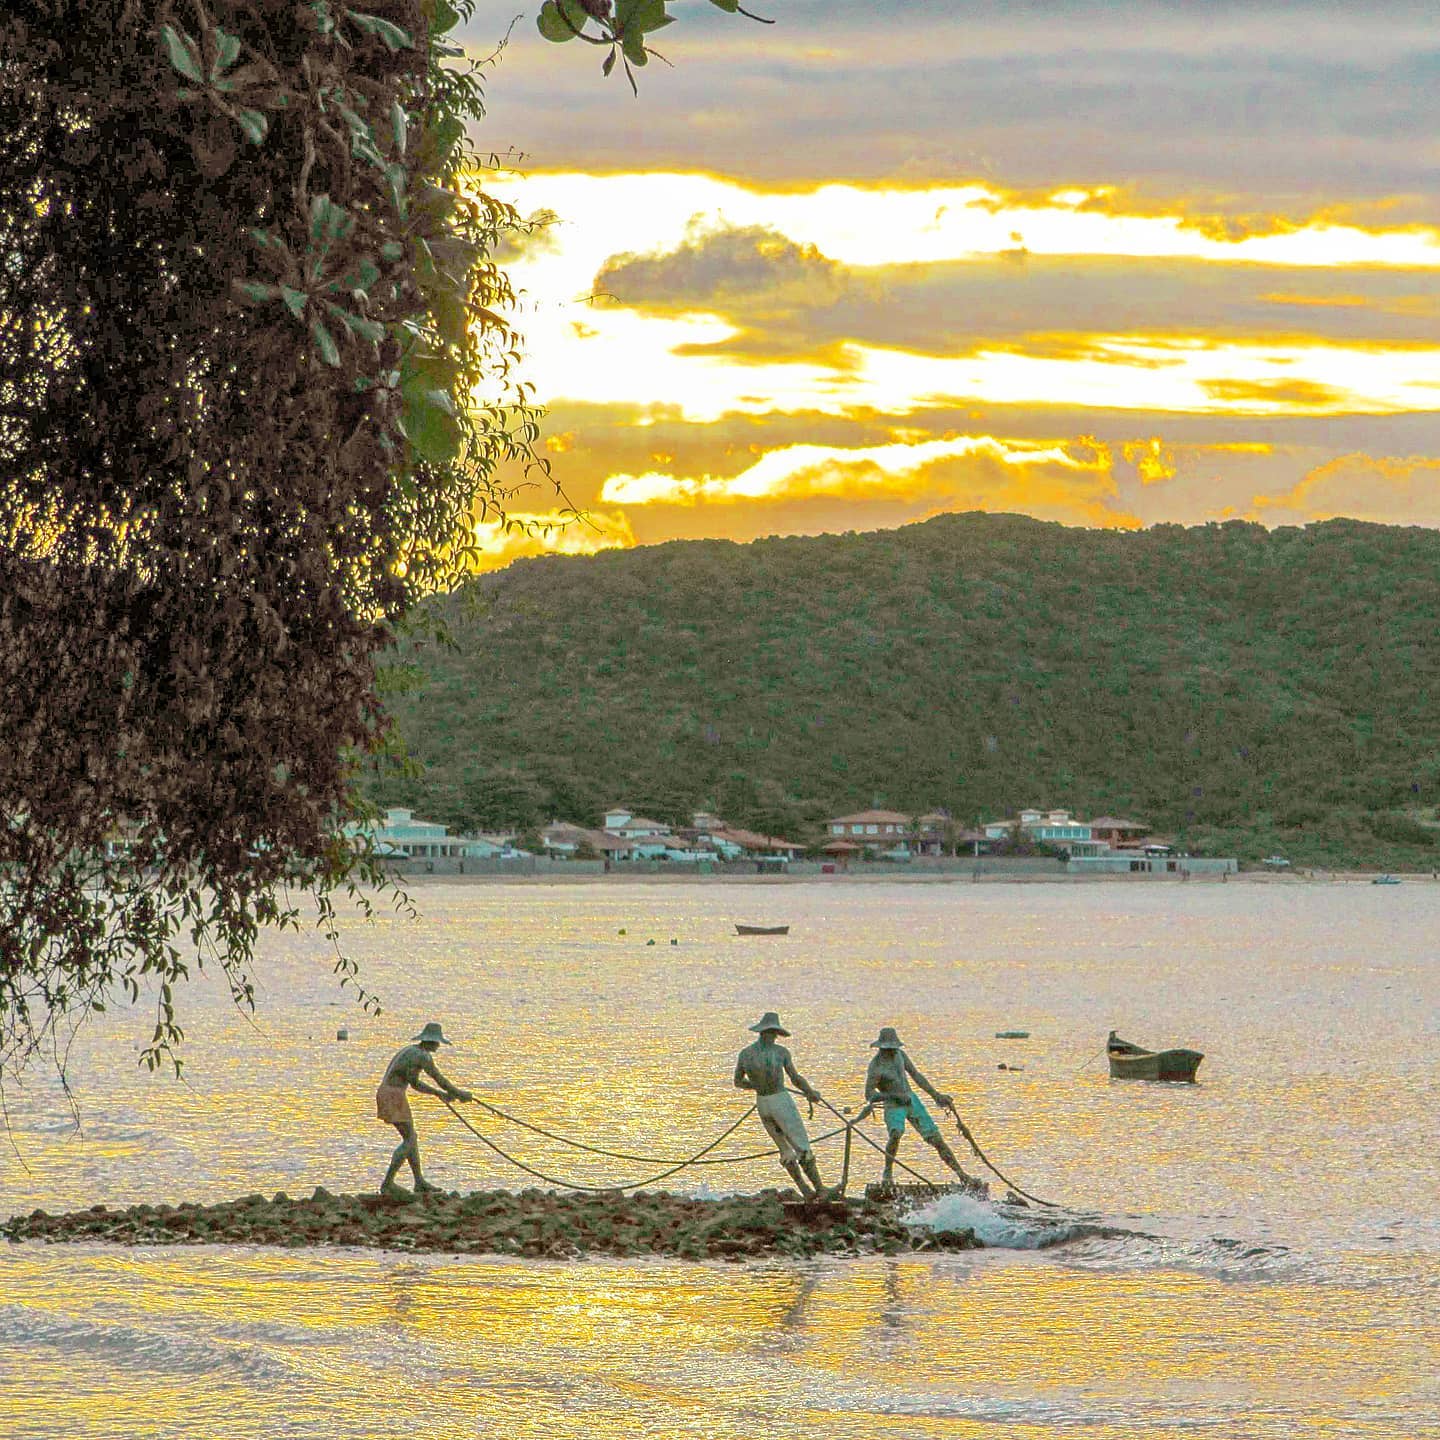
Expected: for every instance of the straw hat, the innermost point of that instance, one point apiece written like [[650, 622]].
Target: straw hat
[[430, 1032], [888, 1040], [769, 1021]]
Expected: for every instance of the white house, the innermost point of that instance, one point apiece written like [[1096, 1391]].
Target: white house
[[402, 833], [622, 821], [1054, 827]]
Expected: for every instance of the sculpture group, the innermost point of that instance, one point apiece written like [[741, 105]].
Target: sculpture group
[[762, 1067]]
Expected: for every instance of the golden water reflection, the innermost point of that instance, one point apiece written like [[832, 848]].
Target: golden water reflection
[[1279, 1276], [328, 1342]]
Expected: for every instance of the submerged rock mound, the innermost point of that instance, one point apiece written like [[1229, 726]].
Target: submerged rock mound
[[538, 1223]]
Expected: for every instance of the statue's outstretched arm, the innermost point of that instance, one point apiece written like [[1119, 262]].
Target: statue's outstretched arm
[[938, 1096], [447, 1091], [801, 1083]]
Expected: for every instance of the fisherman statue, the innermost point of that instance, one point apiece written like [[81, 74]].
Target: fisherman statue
[[392, 1104], [887, 1084], [763, 1067]]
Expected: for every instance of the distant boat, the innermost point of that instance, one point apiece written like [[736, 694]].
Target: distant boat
[[1386, 880], [1132, 1062], [762, 929]]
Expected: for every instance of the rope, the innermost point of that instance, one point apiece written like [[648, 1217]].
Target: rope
[[620, 1154], [598, 1189], [854, 1125], [986, 1161]]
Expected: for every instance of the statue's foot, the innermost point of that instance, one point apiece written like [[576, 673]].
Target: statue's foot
[[391, 1191], [424, 1187]]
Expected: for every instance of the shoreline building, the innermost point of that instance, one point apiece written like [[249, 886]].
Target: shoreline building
[[1052, 827]]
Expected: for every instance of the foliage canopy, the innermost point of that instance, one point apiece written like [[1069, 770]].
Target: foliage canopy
[[244, 303], [1250, 690]]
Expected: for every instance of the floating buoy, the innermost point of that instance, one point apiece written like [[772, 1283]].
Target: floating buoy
[[622, 932], [674, 941], [342, 1033], [649, 942], [1012, 1034]]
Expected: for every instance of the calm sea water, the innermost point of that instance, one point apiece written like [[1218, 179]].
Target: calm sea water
[[1277, 1274]]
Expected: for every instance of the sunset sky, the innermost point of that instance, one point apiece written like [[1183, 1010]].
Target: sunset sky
[[1111, 264]]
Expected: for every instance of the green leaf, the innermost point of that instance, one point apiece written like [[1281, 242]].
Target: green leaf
[[633, 43], [445, 17], [430, 425], [255, 126], [609, 64], [227, 49], [392, 250], [552, 24], [372, 330], [728, 6], [294, 300], [255, 291], [399, 125], [325, 343], [184, 53], [394, 37], [642, 15], [448, 132]]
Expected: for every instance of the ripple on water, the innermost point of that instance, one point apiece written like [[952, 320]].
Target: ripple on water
[[150, 1349]]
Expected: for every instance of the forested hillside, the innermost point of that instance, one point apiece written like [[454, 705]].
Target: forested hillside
[[1248, 690]]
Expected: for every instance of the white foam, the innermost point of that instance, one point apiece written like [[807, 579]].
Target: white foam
[[996, 1228]]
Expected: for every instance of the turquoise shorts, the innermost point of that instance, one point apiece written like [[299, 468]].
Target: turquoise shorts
[[897, 1112]]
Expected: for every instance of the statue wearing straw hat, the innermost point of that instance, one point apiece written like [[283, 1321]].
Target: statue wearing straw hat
[[763, 1067], [392, 1104], [887, 1084]]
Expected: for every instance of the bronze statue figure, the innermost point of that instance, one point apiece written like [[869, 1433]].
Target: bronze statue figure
[[392, 1104], [887, 1084], [763, 1067]]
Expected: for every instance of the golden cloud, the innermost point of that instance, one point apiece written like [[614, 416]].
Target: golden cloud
[[552, 532], [1152, 460], [1072, 481], [1390, 490]]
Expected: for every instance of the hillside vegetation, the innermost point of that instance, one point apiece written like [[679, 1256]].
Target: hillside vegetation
[[1249, 691]]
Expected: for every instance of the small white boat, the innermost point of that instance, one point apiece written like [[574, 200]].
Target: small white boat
[[1386, 880]]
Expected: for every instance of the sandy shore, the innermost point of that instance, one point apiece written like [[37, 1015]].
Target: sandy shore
[[535, 1223]]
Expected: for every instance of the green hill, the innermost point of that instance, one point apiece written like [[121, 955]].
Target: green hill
[[1248, 690]]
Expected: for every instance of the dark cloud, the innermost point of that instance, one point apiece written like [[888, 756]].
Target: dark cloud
[[536, 234], [1277, 99], [721, 266], [791, 302]]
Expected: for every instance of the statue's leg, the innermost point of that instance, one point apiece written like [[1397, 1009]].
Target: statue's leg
[[812, 1170], [792, 1168], [401, 1154], [892, 1149], [948, 1156], [422, 1185]]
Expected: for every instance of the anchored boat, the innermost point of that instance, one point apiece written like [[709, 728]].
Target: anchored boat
[[1133, 1062], [762, 929]]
